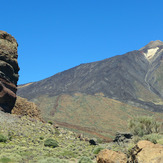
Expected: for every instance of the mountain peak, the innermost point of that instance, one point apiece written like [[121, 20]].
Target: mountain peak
[[151, 49], [152, 44]]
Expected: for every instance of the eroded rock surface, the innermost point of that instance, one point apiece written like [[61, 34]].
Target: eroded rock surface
[[147, 152], [109, 156], [24, 107], [8, 71]]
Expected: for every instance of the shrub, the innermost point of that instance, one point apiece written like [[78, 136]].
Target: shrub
[[50, 122], [3, 138], [41, 138], [85, 159], [51, 143], [97, 150], [5, 160], [152, 137], [143, 125]]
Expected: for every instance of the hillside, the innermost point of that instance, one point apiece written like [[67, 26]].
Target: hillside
[[94, 115], [25, 139], [100, 96]]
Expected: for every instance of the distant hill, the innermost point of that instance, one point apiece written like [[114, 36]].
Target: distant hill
[[119, 87]]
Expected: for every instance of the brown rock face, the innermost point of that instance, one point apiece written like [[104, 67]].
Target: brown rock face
[[147, 152], [109, 156], [24, 107], [8, 71]]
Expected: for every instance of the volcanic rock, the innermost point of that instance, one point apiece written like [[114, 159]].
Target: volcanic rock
[[145, 151], [8, 71], [109, 156], [122, 137], [24, 107]]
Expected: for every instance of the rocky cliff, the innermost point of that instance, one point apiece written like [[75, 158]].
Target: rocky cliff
[[8, 71]]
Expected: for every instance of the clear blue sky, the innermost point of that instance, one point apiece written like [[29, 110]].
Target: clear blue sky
[[55, 35]]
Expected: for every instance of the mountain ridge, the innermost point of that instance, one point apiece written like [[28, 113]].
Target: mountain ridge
[[114, 77], [99, 97]]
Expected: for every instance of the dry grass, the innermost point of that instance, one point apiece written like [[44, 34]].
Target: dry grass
[[96, 113]]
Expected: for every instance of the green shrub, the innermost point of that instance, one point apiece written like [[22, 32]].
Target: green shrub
[[5, 160], [3, 138], [85, 159], [143, 125], [41, 138], [50, 122], [152, 137], [97, 150], [51, 143]]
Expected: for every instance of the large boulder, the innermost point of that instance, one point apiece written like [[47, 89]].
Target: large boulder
[[109, 156], [8, 71], [147, 152], [23, 107]]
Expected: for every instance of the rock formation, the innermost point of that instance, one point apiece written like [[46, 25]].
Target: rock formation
[[8, 71], [109, 156], [143, 152], [146, 151], [25, 108]]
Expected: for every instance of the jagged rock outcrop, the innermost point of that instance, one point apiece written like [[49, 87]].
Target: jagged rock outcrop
[[24, 107], [8, 71]]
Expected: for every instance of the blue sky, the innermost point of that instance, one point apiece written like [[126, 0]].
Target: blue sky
[[55, 35]]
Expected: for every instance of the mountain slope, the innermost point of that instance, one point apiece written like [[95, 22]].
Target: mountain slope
[[98, 98], [133, 78], [90, 114]]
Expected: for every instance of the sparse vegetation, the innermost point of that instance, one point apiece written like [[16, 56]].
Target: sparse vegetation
[[27, 143], [52, 160], [144, 125], [85, 160], [145, 128]]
